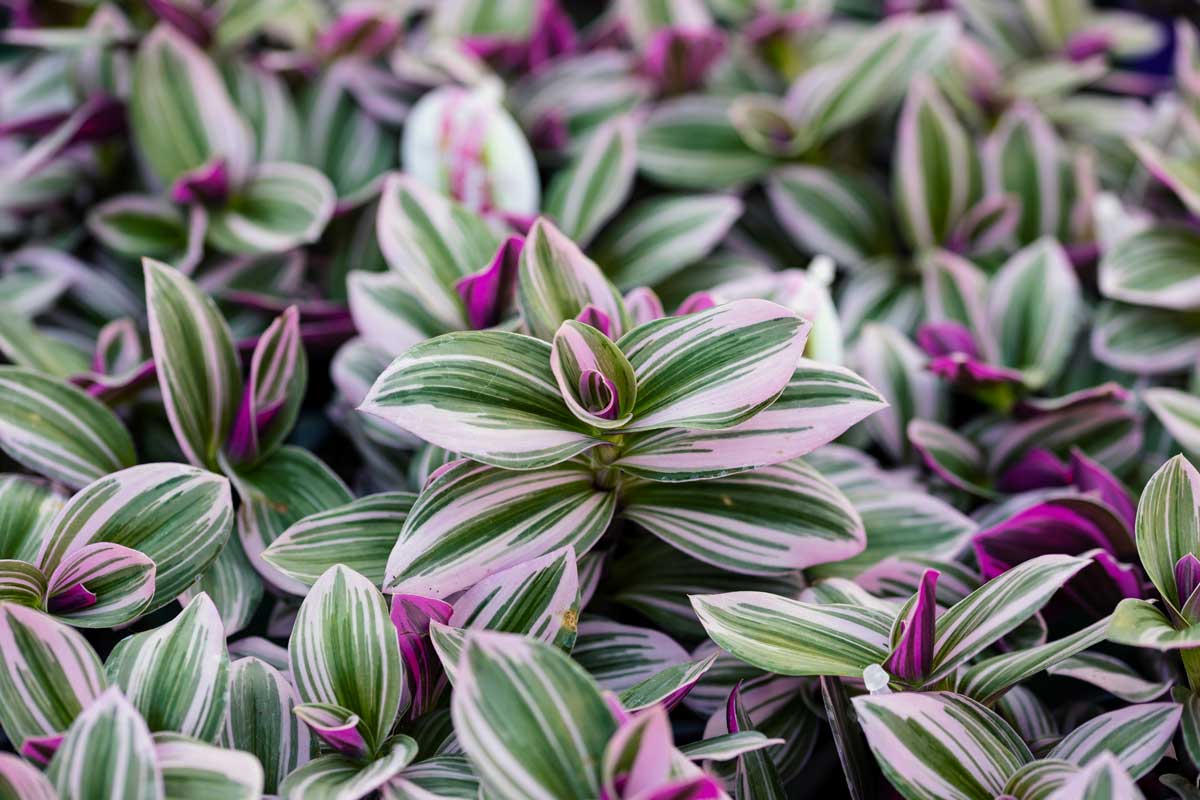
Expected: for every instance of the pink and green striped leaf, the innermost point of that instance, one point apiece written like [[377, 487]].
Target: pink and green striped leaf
[[280, 206], [1023, 157], [621, 656], [1110, 674], [539, 598], [897, 369], [595, 379], [140, 225], [690, 142], [473, 520], [260, 720], [1154, 267], [28, 506], [1137, 736], [272, 397], [1168, 524], [101, 585], [589, 190], [1180, 174], [22, 583], [1103, 778], [840, 213], [19, 780], [1179, 413], [668, 686], [190, 767], [389, 314], [1139, 623], [1145, 341], [108, 752], [339, 776], [233, 584]]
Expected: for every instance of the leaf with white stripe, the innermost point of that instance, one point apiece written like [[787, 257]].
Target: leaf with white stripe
[[101, 585], [198, 369], [49, 674], [472, 520], [59, 431], [177, 516], [28, 506], [988, 679], [656, 238], [622, 656], [349, 145], [586, 192], [690, 142], [1023, 157], [344, 651], [390, 316], [21, 781], [1179, 413], [233, 584], [489, 395], [1110, 674], [765, 522], [274, 392], [529, 718], [892, 364], [1145, 341], [193, 769], [667, 686], [22, 583], [996, 608], [713, 369], [1168, 524], [1155, 267], [1137, 735], [819, 404], [557, 282], [1037, 780], [177, 675], [1104, 778], [842, 214], [1139, 623], [437, 778], [952, 457], [338, 777], [281, 206], [282, 489], [139, 225], [939, 744], [108, 754], [792, 638], [359, 534], [260, 720], [538, 598], [1178, 173]]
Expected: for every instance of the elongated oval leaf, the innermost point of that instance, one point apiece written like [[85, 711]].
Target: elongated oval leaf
[[589, 190], [260, 721], [538, 598], [191, 768], [108, 753], [280, 206], [1137, 736]]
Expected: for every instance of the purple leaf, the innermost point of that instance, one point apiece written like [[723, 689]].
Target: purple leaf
[[1036, 469], [678, 59], [695, 302], [337, 727], [278, 374], [208, 183], [596, 318], [946, 338], [637, 759], [912, 658], [1088, 475], [487, 294], [643, 305], [40, 749], [1187, 576], [412, 615], [365, 33]]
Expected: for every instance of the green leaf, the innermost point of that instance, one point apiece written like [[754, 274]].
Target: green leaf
[[1139, 624], [1154, 267], [22, 583], [198, 369], [690, 143], [839, 213], [139, 226], [586, 192], [1110, 674], [1137, 736], [107, 754], [261, 721], [177, 675], [1179, 413], [338, 777], [233, 585], [1168, 524], [344, 651], [281, 206]]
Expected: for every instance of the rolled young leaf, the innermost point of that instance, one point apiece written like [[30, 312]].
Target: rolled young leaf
[[177, 675], [271, 401], [197, 366], [108, 752], [101, 585], [340, 776], [594, 377], [59, 431]]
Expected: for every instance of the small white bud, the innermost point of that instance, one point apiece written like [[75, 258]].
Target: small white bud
[[876, 679]]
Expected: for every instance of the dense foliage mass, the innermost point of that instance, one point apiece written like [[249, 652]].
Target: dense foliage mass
[[666, 400]]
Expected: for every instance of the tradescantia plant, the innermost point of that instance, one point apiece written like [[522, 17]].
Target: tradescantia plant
[[622, 401]]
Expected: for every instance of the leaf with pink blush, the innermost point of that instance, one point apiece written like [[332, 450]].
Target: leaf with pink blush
[[912, 657], [101, 585], [596, 380], [488, 293], [412, 615], [272, 396], [337, 727]]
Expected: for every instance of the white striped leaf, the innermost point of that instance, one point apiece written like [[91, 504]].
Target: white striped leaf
[[1035, 308], [1179, 413], [727, 746], [1154, 267], [936, 169], [792, 638], [766, 522], [955, 290], [939, 744], [595, 380], [622, 656], [1137, 736], [668, 686], [896, 368], [262, 96], [586, 192], [177, 675], [1189, 723], [757, 776], [472, 520], [842, 214], [344, 652], [539, 598], [59, 431], [49, 674], [277, 492], [997, 608], [530, 719], [101, 585], [280, 206], [338, 777], [656, 238], [1110, 674], [437, 778], [177, 516], [389, 314], [139, 225], [19, 780], [489, 395], [1178, 173], [690, 142], [1104, 778], [342, 140], [1039, 779], [180, 111], [193, 769], [986, 680], [260, 720], [713, 369], [1139, 623], [198, 369], [1168, 524], [1023, 157], [233, 584], [28, 506], [274, 392], [955, 459], [1145, 341], [433, 242], [819, 403], [359, 534], [108, 754], [1028, 716], [22, 583], [557, 281]]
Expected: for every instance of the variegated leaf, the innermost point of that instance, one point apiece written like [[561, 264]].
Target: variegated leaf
[[842, 214], [952, 457], [667, 686], [101, 585], [489, 395], [595, 380], [1145, 341], [233, 584], [472, 520], [192, 768], [50, 675], [940, 744], [1137, 736], [19, 780], [1023, 157], [621, 656], [280, 206], [792, 638], [28, 506], [389, 314], [22, 583], [338, 777], [56, 430], [177, 516], [539, 598], [359, 534], [1168, 524], [271, 401], [690, 142], [177, 675], [528, 718], [1104, 778], [1110, 674], [764, 522], [344, 652], [1179, 413], [1154, 267], [140, 225], [896, 368], [441, 777], [592, 187], [260, 720], [108, 753], [198, 369], [1139, 623]]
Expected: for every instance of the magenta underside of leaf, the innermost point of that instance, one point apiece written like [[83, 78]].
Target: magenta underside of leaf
[[913, 657]]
